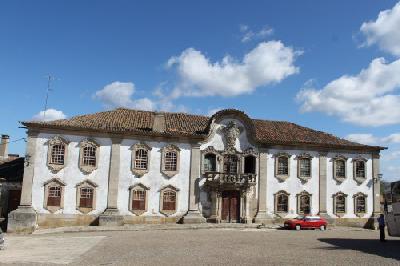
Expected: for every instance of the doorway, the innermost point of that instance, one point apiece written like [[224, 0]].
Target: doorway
[[230, 211]]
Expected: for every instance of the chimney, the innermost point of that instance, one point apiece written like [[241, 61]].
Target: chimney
[[4, 146], [159, 123]]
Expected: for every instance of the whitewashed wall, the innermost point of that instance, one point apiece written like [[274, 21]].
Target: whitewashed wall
[[154, 179], [70, 174], [292, 185], [349, 186]]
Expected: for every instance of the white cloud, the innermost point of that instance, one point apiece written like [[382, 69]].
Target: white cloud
[[362, 138], [392, 138], [366, 99], [384, 31], [268, 63], [119, 94], [49, 115], [248, 35]]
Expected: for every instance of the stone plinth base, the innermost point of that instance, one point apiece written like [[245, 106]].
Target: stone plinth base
[[213, 219], [111, 217], [22, 220], [193, 217], [327, 217], [263, 218]]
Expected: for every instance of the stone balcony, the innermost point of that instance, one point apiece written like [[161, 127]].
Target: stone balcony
[[229, 180]]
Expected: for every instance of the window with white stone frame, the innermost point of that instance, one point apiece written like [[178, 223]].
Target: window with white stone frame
[[360, 169], [86, 196], [138, 199], [339, 168], [360, 204], [140, 158], [168, 200], [282, 202], [282, 166], [170, 160], [57, 153], [339, 204], [54, 195], [210, 162], [88, 156], [304, 162]]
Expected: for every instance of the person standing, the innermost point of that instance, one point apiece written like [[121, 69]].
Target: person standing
[[381, 222]]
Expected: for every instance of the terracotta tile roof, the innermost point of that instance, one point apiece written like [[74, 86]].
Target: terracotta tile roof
[[125, 121]]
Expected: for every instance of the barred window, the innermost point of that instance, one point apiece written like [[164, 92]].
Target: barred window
[[282, 202], [283, 165], [210, 162], [305, 206], [86, 199], [230, 164], [141, 159], [139, 200], [57, 154], [169, 200], [360, 204], [305, 167], [170, 161], [340, 204], [340, 168], [360, 169], [89, 155], [54, 196]]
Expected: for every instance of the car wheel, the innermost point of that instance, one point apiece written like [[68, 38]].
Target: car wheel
[[298, 227], [322, 227]]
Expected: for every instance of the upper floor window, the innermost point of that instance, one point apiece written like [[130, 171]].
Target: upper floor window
[[210, 162], [89, 154], [304, 166], [57, 153], [282, 202], [339, 168], [230, 164], [140, 158], [360, 169], [282, 166], [170, 160], [250, 164]]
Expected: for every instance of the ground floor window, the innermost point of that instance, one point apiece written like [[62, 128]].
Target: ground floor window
[[86, 200], [54, 196], [282, 201], [339, 201], [139, 200], [360, 203], [305, 204]]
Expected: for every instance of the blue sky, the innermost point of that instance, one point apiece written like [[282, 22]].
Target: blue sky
[[328, 65]]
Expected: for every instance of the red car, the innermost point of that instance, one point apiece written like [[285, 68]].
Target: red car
[[306, 222]]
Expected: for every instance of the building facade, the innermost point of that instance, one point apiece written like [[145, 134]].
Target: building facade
[[126, 166]]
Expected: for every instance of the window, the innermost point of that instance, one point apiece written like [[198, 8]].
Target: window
[[250, 164], [282, 202], [170, 160], [339, 168], [339, 201], [57, 152], [305, 207], [86, 196], [305, 167], [140, 158], [168, 200], [138, 199], [210, 162], [86, 200], [359, 169], [54, 195], [88, 156], [230, 164], [283, 166], [360, 204]]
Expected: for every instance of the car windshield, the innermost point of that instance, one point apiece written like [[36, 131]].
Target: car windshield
[[300, 217]]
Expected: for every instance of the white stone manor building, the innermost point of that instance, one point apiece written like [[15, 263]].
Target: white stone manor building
[[127, 166]]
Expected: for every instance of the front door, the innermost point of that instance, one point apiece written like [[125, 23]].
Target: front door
[[230, 207]]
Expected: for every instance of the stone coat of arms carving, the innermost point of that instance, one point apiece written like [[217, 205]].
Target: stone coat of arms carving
[[231, 133]]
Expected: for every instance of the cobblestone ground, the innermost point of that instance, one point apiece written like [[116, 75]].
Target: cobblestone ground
[[340, 246]]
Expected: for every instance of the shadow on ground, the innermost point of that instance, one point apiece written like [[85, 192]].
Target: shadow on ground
[[389, 249]]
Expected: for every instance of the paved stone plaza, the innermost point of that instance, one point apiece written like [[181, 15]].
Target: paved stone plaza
[[218, 246]]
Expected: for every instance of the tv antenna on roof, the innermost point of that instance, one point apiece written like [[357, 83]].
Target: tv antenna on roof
[[50, 78]]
